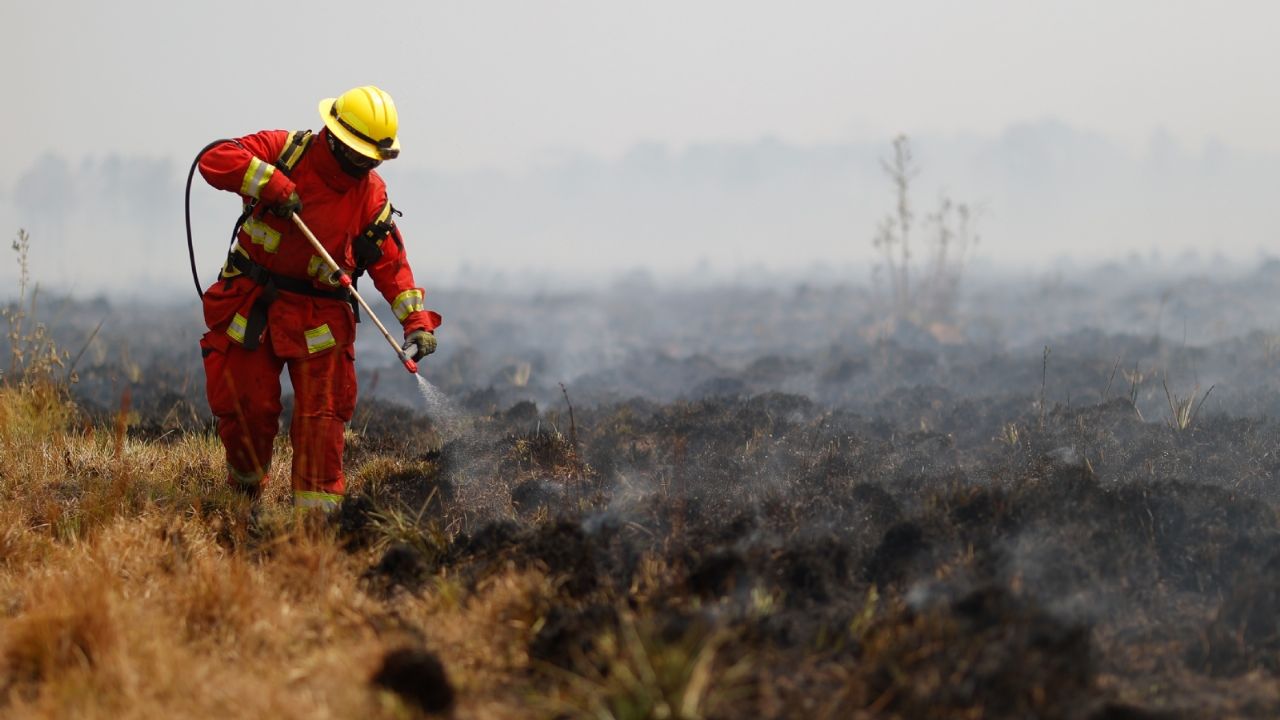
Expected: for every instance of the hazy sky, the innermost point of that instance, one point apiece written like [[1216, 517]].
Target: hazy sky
[[595, 136], [501, 84]]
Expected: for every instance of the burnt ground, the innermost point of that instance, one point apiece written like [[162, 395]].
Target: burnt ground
[[869, 519], [1093, 566]]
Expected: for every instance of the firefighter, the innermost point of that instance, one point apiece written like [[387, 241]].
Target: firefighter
[[277, 304]]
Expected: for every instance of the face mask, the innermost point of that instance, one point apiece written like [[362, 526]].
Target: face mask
[[351, 162]]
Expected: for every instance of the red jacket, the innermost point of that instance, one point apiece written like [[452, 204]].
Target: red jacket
[[337, 208]]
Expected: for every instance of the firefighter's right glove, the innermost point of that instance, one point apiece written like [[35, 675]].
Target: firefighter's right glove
[[420, 343], [288, 206]]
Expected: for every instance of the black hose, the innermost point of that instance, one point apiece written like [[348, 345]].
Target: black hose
[[191, 248]]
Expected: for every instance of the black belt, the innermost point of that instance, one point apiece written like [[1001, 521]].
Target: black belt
[[273, 282]]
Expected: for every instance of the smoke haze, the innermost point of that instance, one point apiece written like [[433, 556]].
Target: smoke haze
[[571, 141], [1044, 192]]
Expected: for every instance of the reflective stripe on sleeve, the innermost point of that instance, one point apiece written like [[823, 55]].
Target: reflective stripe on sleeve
[[256, 178], [315, 499], [319, 339], [409, 301], [237, 328], [262, 234]]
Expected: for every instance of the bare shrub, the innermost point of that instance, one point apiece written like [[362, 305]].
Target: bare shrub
[[921, 293]]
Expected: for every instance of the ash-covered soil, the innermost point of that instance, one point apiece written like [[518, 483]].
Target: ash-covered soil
[[1042, 510], [1094, 566]]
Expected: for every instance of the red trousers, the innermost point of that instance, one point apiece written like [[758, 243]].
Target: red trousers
[[244, 393]]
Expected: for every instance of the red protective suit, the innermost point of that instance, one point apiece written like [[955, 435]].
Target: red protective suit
[[313, 336]]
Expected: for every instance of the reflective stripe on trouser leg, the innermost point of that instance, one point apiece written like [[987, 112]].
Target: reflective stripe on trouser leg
[[308, 499], [319, 339], [324, 394]]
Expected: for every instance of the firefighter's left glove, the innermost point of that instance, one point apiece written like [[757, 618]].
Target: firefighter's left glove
[[420, 343], [288, 206]]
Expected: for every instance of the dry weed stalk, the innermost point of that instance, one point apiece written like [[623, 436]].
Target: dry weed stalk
[[929, 294], [33, 357], [1183, 410]]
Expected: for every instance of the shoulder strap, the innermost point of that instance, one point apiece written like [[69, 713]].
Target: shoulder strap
[[294, 147], [367, 246], [381, 224]]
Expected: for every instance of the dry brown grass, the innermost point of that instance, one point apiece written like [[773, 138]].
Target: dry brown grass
[[131, 584]]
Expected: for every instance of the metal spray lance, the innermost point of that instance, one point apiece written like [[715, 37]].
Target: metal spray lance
[[345, 281]]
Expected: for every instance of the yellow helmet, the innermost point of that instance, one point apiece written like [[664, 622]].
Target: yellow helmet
[[365, 120]]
